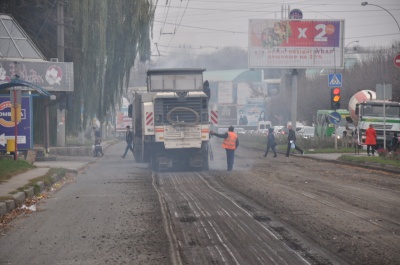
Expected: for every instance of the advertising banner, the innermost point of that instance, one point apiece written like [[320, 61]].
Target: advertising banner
[[24, 138], [122, 118], [251, 113], [52, 76], [227, 115], [296, 43], [225, 92]]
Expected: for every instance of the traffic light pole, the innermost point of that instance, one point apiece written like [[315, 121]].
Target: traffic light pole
[[336, 137]]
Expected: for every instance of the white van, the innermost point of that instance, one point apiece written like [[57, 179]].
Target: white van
[[263, 125], [306, 131]]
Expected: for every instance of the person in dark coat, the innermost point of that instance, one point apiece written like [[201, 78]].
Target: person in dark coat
[[97, 140], [231, 143], [271, 142], [129, 141], [395, 142], [292, 139]]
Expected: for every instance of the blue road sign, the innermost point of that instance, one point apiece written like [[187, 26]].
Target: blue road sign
[[334, 117], [335, 80]]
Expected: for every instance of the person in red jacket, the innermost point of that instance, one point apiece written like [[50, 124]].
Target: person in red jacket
[[370, 139]]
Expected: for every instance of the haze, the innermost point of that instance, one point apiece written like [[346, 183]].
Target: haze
[[203, 26]]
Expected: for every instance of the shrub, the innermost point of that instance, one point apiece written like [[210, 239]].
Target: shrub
[[382, 152]]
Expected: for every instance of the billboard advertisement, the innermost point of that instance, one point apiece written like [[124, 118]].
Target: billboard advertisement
[[252, 112], [122, 118], [52, 76], [24, 138], [225, 92], [296, 43], [227, 115]]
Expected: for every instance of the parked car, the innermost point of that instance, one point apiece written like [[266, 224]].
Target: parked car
[[277, 128], [240, 130], [341, 129], [306, 131]]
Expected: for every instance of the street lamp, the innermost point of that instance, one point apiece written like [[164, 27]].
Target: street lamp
[[384, 88], [366, 3], [350, 43]]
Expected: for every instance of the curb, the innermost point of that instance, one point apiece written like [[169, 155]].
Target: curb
[[388, 169], [19, 198]]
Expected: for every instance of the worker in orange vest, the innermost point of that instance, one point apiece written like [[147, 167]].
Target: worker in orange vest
[[230, 144]]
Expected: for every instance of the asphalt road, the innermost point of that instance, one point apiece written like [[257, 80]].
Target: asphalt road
[[109, 214], [280, 210]]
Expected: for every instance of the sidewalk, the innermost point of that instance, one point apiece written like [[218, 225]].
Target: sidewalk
[[72, 163]]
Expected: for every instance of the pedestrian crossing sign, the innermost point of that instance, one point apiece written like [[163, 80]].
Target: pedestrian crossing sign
[[335, 80]]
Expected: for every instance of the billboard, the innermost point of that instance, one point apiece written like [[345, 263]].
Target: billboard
[[242, 103], [296, 43], [122, 119], [25, 129], [52, 76]]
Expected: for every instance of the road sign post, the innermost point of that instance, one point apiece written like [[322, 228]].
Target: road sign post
[[335, 118]]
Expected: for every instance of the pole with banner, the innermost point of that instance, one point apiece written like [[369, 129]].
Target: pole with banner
[[15, 96]]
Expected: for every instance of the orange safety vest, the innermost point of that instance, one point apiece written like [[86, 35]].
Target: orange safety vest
[[230, 141]]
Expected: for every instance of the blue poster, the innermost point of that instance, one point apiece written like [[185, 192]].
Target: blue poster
[[24, 127]]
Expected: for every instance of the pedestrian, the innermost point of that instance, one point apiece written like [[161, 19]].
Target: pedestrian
[[270, 142], [129, 141], [97, 141], [370, 140], [97, 133], [292, 140], [230, 144], [395, 142], [349, 134]]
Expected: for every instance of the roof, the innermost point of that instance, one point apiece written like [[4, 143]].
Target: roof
[[238, 75], [14, 42], [175, 71], [16, 82]]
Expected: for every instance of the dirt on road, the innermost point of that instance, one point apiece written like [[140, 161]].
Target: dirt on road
[[318, 212], [352, 212]]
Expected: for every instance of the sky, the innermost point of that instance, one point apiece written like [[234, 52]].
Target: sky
[[204, 26]]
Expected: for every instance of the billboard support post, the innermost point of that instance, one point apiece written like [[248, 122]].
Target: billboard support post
[[294, 98]]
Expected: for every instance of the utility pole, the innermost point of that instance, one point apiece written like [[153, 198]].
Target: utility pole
[[60, 55]]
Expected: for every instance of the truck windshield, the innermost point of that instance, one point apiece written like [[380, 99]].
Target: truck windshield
[[377, 111]]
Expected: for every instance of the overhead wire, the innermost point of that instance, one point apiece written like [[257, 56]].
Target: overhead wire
[[306, 4]]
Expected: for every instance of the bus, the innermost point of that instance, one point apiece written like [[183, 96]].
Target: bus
[[322, 125]]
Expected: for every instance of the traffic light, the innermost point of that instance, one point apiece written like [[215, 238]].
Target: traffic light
[[335, 98]]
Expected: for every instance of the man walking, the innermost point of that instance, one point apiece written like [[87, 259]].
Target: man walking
[[230, 144], [129, 141], [292, 140]]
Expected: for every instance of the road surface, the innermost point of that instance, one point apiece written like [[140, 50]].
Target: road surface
[[266, 211]]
